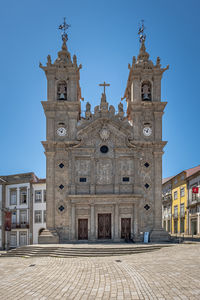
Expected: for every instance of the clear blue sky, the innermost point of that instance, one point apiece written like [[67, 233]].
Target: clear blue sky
[[103, 35]]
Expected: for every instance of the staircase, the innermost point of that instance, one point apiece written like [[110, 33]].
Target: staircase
[[81, 251]]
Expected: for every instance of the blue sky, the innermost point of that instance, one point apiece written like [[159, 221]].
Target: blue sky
[[103, 35]]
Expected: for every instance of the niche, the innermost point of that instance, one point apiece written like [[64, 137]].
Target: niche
[[62, 91], [146, 91]]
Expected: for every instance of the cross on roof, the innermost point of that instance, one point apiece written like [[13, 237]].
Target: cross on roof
[[104, 85], [63, 27]]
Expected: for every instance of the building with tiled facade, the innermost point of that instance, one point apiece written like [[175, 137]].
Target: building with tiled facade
[[17, 197], [180, 205]]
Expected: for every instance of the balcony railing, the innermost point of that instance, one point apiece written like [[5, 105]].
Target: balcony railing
[[167, 197], [175, 215], [19, 225], [182, 214], [194, 200]]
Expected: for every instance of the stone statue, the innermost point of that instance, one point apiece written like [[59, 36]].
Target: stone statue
[[120, 108], [88, 107], [48, 60]]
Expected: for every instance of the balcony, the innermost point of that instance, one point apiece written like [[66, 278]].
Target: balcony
[[167, 197], [194, 200], [175, 215], [182, 214], [19, 225]]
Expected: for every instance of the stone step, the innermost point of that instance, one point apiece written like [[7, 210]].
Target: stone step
[[34, 251]]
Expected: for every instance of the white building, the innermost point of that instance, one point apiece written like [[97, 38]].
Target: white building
[[39, 208], [18, 202], [194, 204], [1, 191]]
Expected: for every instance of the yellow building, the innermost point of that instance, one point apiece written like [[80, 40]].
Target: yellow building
[[179, 203], [176, 209]]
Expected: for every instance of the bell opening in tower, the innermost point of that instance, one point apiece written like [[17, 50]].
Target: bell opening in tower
[[146, 91], [62, 91]]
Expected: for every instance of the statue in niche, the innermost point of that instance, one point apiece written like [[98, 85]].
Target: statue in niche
[[62, 91], [146, 91]]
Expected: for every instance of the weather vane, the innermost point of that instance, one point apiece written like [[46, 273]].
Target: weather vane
[[63, 27], [142, 35]]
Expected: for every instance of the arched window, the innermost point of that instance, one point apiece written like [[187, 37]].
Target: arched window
[[62, 91], [146, 91]]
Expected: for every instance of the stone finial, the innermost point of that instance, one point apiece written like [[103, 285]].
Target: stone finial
[[158, 62], [133, 61], [48, 60], [74, 60], [143, 55]]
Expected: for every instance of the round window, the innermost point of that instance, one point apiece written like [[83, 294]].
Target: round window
[[104, 149]]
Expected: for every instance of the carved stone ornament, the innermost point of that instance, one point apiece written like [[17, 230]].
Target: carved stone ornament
[[104, 133]]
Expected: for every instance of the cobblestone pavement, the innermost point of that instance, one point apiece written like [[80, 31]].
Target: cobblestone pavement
[[169, 273]]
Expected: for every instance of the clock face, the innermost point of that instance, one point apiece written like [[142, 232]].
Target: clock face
[[147, 131], [61, 131]]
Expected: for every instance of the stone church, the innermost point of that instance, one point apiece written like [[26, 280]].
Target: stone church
[[103, 170]]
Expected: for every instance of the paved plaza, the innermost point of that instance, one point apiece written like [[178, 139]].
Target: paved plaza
[[168, 273]]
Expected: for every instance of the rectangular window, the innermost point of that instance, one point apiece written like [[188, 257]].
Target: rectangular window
[[44, 214], [176, 211], [22, 238], [14, 219], [182, 192], [23, 195], [13, 239], [44, 195], [38, 196], [182, 210], [13, 197], [175, 195], [125, 179], [38, 216], [83, 179], [23, 217]]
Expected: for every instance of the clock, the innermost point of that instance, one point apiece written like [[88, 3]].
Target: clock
[[147, 131], [61, 131]]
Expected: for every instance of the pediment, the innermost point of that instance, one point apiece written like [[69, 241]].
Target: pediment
[[105, 130]]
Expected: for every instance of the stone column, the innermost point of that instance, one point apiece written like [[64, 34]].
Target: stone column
[[51, 87], [158, 125], [73, 222], [116, 232], [92, 177], [116, 180], [92, 222], [135, 220], [18, 203], [158, 190], [50, 203]]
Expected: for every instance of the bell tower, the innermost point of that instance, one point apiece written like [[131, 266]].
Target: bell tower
[[145, 111], [62, 110]]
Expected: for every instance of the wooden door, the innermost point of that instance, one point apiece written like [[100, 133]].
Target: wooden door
[[104, 226], [126, 228], [83, 229]]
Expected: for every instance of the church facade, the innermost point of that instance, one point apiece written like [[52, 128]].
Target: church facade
[[103, 170]]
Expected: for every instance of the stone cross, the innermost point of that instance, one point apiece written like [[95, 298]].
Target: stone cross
[[104, 85]]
